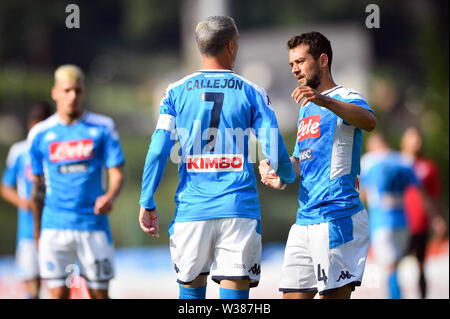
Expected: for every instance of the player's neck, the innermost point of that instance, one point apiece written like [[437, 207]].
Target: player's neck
[[216, 63], [410, 153], [326, 84], [70, 118]]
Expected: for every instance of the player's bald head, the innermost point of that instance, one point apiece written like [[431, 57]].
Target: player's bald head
[[214, 33], [69, 73]]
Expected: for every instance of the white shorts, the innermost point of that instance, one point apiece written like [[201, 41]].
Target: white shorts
[[389, 245], [27, 259], [326, 256], [59, 250], [226, 248]]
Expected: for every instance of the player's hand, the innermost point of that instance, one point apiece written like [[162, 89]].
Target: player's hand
[[269, 177], [264, 168], [273, 180], [103, 205], [308, 94], [149, 221], [25, 204]]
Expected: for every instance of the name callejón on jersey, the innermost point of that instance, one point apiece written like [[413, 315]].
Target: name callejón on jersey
[[214, 84], [71, 150]]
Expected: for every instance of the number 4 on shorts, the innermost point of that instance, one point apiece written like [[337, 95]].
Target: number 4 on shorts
[[321, 274]]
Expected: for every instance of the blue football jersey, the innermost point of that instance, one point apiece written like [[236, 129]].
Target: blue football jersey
[[214, 114], [385, 177], [329, 151], [18, 175], [73, 159]]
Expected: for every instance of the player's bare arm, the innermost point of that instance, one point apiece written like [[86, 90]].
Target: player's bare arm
[[11, 195], [104, 203], [350, 113], [149, 221], [37, 204]]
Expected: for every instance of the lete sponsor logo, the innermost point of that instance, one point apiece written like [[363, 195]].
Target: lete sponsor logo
[[309, 127], [215, 163], [71, 150]]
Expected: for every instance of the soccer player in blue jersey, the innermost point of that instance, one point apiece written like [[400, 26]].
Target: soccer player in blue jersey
[[216, 229], [71, 152], [327, 246], [16, 187], [385, 177]]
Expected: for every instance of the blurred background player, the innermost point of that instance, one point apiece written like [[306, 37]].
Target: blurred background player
[[418, 216], [384, 180], [217, 220], [16, 187], [327, 246], [70, 152]]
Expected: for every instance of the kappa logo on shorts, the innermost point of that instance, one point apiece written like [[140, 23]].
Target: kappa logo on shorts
[[256, 269], [345, 275], [309, 127]]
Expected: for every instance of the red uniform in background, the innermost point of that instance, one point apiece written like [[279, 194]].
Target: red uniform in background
[[419, 219], [428, 176]]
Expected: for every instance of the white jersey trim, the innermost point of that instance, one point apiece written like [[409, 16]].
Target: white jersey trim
[[15, 151], [166, 122], [42, 126], [341, 154]]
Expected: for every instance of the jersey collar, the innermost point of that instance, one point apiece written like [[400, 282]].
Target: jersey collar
[[216, 71], [81, 118], [331, 90]]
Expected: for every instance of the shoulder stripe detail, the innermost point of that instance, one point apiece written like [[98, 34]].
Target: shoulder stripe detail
[[99, 119], [41, 127], [259, 89], [15, 151], [181, 81]]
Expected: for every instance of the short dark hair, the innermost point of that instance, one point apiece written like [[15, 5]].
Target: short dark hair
[[40, 111], [317, 43], [214, 33]]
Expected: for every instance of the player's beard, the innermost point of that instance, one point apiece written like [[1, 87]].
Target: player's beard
[[75, 113], [314, 81]]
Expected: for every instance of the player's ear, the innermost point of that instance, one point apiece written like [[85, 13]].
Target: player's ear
[[323, 61], [230, 47]]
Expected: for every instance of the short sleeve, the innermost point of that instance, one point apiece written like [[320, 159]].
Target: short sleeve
[[113, 150]]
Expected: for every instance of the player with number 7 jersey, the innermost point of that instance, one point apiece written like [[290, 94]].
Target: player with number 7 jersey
[[214, 112]]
